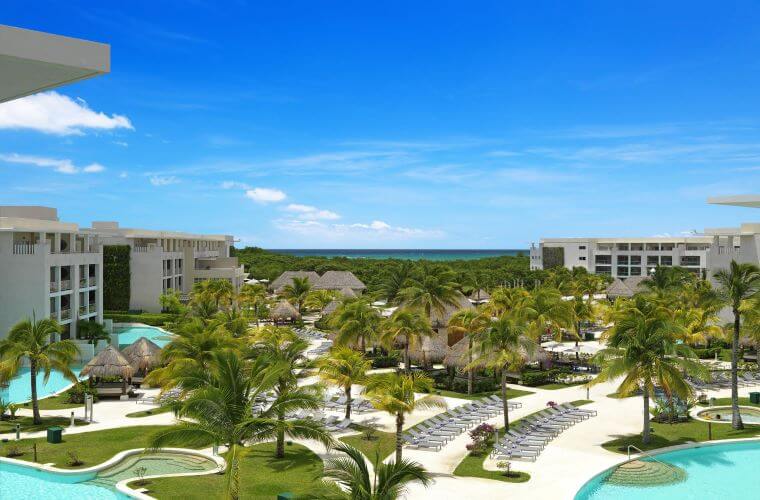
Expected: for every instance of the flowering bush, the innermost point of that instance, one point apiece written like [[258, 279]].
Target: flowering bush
[[482, 437]]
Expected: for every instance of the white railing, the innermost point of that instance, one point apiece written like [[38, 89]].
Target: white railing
[[83, 283], [139, 249], [23, 249], [54, 315], [65, 314], [65, 285], [642, 452]]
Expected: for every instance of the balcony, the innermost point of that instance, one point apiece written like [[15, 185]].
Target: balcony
[[65, 314], [93, 308], [54, 315], [83, 283], [53, 287], [65, 285], [23, 249], [83, 310]]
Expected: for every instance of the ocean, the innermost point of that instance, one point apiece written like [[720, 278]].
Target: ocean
[[427, 254]]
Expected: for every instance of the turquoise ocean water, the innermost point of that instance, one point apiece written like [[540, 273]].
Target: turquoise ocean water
[[428, 254]]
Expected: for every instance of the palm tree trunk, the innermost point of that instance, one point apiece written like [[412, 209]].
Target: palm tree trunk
[[737, 417], [470, 371], [280, 451], [399, 439], [504, 398], [35, 404], [363, 346], [348, 402], [233, 481], [645, 439], [407, 367]]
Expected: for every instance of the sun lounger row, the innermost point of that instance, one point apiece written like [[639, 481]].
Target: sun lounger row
[[533, 433], [357, 404], [722, 380], [437, 431], [309, 333], [321, 348]]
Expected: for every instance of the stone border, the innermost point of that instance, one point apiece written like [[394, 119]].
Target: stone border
[[696, 411], [661, 451], [121, 486]]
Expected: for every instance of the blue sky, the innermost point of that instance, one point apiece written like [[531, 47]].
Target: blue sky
[[395, 124]]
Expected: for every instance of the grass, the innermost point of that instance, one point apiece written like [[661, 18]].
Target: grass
[[91, 448], [59, 402], [615, 395], [382, 442], [511, 394], [727, 402], [148, 413], [679, 433], [553, 386], [28, 426], [261, 476]]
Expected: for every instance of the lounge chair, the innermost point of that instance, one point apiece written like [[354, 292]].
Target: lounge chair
[[576, 409]]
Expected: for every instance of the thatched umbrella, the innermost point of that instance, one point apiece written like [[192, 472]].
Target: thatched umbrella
[[109, 363], [432, 350], [284, 311], [618, 289], [457, 356], [348, 293], [331, 308], [142, 355]]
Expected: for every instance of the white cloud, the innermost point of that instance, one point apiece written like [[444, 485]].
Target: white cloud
[[163, 180], [61, 166], [308, 212], [53, 113], [234, 185], [265, 195], [373, 231]]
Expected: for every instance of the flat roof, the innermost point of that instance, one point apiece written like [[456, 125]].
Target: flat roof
[[33, 61], [740, 200], [652, 239]]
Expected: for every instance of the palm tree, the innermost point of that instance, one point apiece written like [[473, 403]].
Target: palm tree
[[505, 345], [546, 312], [642, 348], [395, 280], [282, 351], [738, 283], [297, 291], [344, 367], [319, 299], [394, 393], [432, 292], [386, 483], [253, 299], [32, 340], [92, 331], [355, 321], [697, 326], [219, 409], [469, 322], [408, 326], [508, 300]]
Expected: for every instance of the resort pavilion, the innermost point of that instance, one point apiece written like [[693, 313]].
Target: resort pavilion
[[284, 312], [109, 363], [286, 279], [143, 355]]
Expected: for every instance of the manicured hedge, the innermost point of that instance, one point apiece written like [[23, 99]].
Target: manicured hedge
[[116, 277], [153, 319]]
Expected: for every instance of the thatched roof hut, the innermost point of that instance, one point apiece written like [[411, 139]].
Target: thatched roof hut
[[286, 278], [457, 356], [432, 350], [618, 289], [108, 363], [142, 355], [284, 311], [438, 318], [480, 296], [338, 280], [348, 293], [331, 307]]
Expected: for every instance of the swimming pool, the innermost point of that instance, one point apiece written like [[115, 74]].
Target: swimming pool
[[726, 470], [130, 334], [18, 481], [19, 389], [724, 415]]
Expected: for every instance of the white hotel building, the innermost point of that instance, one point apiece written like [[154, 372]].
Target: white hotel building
[[626, 257]]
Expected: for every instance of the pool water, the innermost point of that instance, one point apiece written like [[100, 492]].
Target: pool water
[[749, 415], [19, 389], [727, 471], [132, 334], [17, 481]]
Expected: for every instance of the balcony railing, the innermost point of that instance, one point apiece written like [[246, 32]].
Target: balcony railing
[[92, 307], [82, 310], [83, 283], [65, 285], [54, 315], [23, 249], [139, 249], [65, 314], [53, 287]]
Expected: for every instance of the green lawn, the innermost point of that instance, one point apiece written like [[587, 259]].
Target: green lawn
[[59, 402], [675, 434], [261, 477], [148, 413], [511, 394], [383, 442], [727, 402], [28, 426], [91, 447]]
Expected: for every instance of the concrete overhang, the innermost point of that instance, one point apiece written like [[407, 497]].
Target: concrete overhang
[[743, 200], [33, 61]]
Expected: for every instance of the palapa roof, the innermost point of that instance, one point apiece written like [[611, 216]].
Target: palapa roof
[[433, 349], [284, 310], [480, 296], [348, 293], [457, 355], [108, 363], [331, 307], [618, 289], [142, 354], [286, 278], [338, 280], [438, 318]]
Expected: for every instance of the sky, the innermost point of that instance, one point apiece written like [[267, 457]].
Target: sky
[[395, 124]]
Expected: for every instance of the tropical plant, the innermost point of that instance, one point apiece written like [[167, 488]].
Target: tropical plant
[[344, 367], [432, 290], [253, 300], [219, 409], [505, 345], [170, 302], [395, 280], [642, 349], [547, 313], [387, 482], [469, 323], [394, 393], [92, 331], [407, 326], [508, 300], [33, 341], [356, 321], [739, 284], [297, 291], [319, 299]]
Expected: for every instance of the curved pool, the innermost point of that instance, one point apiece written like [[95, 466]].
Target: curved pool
[[130, 334], [727, 471], [19, 389], [18, 481], [724, 415]]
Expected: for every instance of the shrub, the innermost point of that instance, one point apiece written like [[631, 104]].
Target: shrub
[[77, 392], [73, 459], [533, 379], [13, 451], [482, 438], [152, 319], [386, 361]]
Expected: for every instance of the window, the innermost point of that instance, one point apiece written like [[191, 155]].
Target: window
[[667, 247], [622, 271], [604, 247], [653, 260], [653, 247], [666, 260], [635, 271], [582, 257], [635, 260], [623, 246], [582, 247], [637, 247], [622, 259], [690, 260], [603, 259], [606, 270]]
